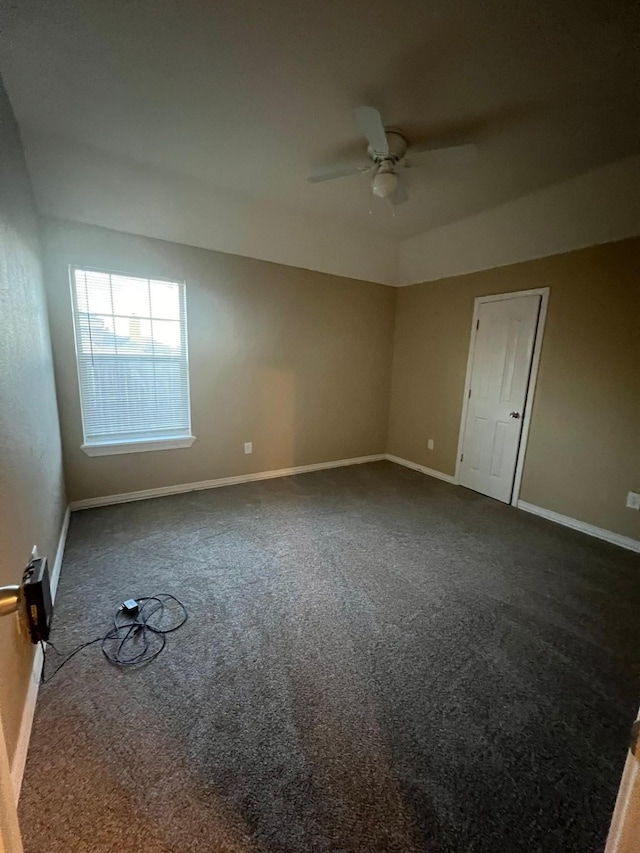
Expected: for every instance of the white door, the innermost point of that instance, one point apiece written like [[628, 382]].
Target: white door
[[500, 370]]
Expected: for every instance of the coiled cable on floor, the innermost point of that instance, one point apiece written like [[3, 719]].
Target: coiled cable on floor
[[134, 639]]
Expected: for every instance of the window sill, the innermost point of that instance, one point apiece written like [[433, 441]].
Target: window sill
[[137, 446]]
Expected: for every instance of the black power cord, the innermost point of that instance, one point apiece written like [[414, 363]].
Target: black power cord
[[135, 638]]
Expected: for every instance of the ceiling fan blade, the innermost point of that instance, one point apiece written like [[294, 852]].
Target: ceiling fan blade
[[451, 155], [338, 170], [400, 196], [370, 125]]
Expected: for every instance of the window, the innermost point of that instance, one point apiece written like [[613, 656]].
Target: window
[[131, 346]]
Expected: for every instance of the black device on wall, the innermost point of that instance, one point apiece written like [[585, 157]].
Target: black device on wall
[[36, 591]]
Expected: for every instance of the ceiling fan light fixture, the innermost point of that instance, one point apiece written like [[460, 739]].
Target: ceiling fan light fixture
[[384, 184], [386, 150]]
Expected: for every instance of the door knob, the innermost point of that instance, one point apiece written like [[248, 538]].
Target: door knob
[[9, 599], [515, 415]]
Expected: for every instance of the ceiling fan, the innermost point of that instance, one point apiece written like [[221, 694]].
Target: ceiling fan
[[388, 150]]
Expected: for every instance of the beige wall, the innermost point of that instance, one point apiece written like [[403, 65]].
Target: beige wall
[[32, 497], [583, 453], [299, 363], [295, 361]]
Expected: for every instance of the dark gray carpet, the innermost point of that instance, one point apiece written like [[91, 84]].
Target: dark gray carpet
[[374, 661]]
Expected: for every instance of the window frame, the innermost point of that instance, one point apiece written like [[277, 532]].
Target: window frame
[[114, 446]]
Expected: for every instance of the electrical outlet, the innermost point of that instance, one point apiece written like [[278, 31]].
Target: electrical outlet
[[633, 500], [248, 447], [430, 444]]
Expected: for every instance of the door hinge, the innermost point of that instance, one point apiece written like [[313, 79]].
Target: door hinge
[[469, 394], [461, 456], [634, 740], [477, 325]]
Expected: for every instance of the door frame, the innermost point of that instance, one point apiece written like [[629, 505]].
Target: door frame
[[543, 292], [625, 825]]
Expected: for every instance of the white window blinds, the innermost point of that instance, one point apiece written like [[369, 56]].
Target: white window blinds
[[131, 345]]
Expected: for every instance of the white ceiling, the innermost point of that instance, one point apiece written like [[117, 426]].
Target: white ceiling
[[242, 97]]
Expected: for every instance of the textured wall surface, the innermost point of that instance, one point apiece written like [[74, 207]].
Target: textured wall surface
[[296, 362], [583, 454], [32, 496]]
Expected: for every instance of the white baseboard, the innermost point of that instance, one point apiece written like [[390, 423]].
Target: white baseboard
[[24, 735], [57, 563], [582, 526], [573, 523], [143, 495], [448, 478]]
